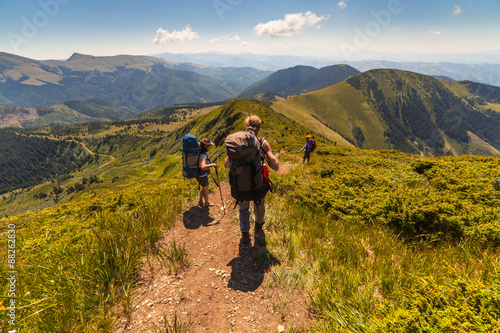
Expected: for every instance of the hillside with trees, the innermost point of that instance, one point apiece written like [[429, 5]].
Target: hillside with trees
[[27, 160], [410, 112]]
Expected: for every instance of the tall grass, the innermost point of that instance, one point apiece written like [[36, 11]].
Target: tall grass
[[77, 263], [365, 275]]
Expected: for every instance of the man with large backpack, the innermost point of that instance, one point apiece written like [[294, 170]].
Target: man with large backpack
[[246, 153], [308, 148]]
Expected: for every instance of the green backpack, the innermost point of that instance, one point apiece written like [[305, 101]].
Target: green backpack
[[244, 150]]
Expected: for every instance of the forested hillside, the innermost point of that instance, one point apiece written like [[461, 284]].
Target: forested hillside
[[420, 108], [97, 108], [27, 161]]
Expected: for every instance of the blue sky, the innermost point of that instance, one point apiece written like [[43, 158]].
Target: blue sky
[[350, 29]]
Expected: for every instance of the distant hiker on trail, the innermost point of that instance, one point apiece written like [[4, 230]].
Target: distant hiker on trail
[[308, 148], [202, 177], [248, 176]]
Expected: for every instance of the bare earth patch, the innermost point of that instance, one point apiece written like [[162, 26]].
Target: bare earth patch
[[224, 288]]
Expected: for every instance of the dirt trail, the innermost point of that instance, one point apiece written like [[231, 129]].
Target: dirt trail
[[92, 153], [224, 288]]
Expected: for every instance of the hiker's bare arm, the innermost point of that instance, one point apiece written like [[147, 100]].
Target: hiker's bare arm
[[226, 162], [272, 160], [205, 166]]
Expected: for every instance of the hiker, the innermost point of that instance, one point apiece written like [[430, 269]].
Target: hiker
[[202, 177], [308, 148], [252, 125]]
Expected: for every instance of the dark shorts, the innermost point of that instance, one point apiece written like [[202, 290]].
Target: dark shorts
[[202, 180], [307, 154]]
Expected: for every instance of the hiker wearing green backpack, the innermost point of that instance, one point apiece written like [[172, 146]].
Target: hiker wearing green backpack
[[204, 171], [247, 174]]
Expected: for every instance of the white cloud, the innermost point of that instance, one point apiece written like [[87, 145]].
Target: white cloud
[[291, 25], [186, 35], [432, 32], [342, 4], [458, 10], [225, 38]]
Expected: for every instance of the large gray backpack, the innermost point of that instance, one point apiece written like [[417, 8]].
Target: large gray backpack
[[244, 150]]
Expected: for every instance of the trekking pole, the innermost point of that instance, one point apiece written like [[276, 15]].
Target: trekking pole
[[220, 190], [218, 185]]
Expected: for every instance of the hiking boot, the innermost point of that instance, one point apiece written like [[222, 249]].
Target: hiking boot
[[245, 237]]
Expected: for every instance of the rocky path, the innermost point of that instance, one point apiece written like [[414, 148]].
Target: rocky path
[[225, 287]]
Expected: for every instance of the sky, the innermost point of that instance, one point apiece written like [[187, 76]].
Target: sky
[[348, 29]]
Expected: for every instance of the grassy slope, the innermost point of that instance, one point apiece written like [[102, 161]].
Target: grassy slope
[[390, 242], [477, 146], [340, 107], [380, 240]]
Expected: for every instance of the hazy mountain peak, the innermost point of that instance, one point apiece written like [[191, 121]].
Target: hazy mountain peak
[[80, 56]]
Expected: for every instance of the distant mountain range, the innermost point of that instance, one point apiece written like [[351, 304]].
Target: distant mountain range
[[483, 67], [259, 61], [277, 62], [138, 81], [377, 109]]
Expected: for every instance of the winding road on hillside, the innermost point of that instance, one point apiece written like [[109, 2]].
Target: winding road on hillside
[[225, 288], [86, 149], [92, 153]]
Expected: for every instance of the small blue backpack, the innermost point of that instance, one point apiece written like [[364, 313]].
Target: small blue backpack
[[190, 156]]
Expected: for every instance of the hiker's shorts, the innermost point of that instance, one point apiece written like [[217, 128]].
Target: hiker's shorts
[[202, 180]]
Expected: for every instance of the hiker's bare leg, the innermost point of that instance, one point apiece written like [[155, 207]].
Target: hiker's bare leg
[[204, 194], [200, 201], [307, 156]]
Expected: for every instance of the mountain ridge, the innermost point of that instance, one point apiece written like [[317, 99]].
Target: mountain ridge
[[411, 112], [297, 80]]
